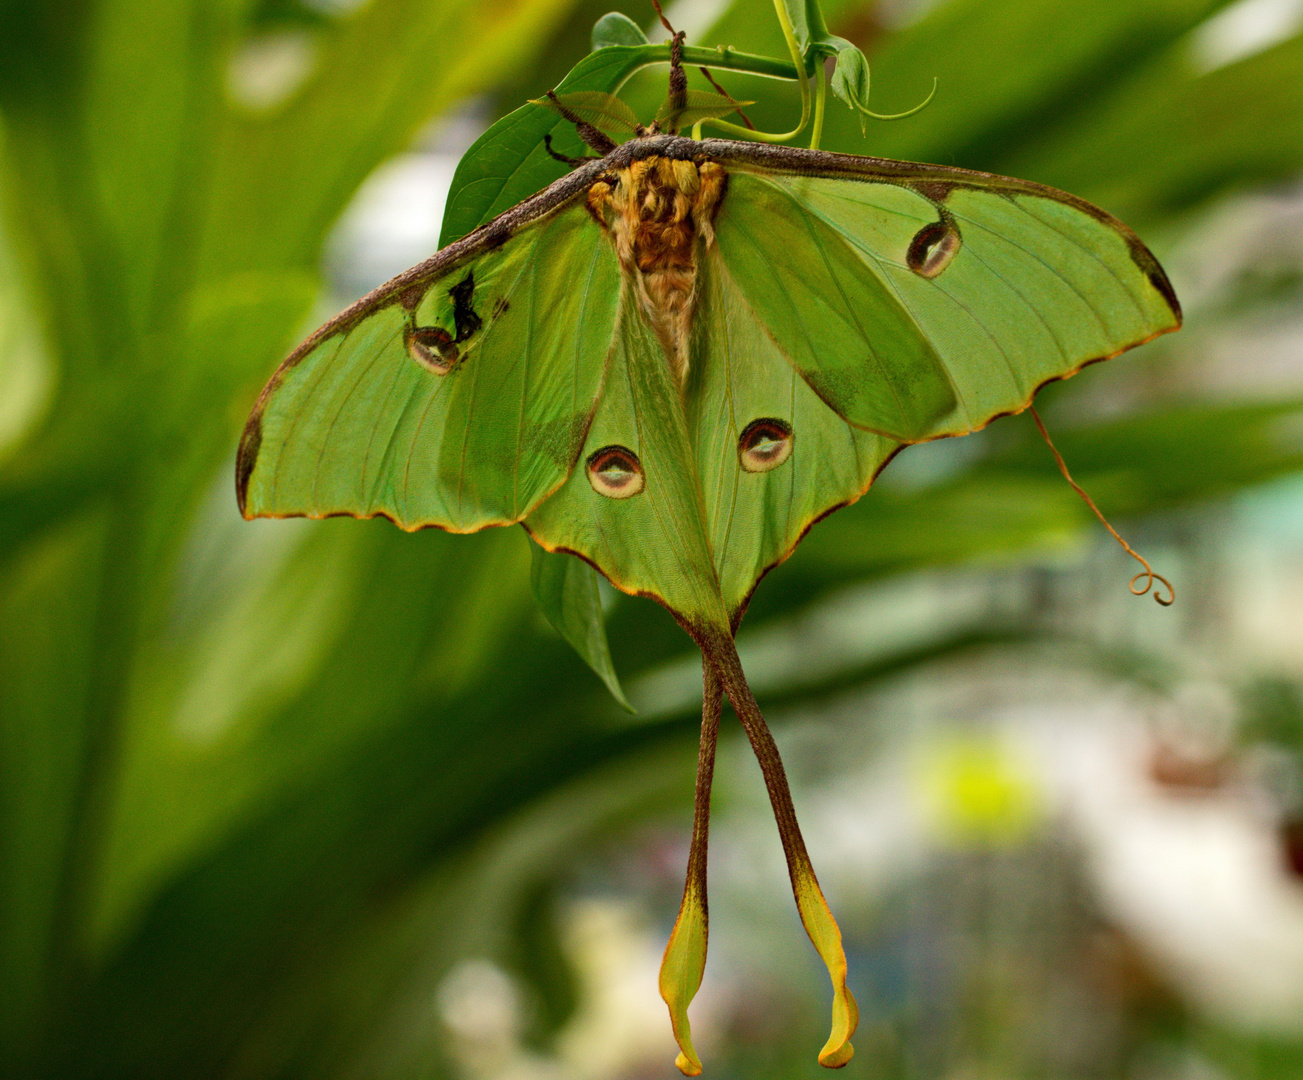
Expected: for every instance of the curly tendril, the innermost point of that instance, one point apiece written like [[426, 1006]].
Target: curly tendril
[[1139, 587]]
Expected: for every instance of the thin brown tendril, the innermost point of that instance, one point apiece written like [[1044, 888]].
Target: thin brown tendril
[[711, 79], [1147, 573]]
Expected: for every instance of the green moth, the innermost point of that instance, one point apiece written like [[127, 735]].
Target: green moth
[[676, 359]]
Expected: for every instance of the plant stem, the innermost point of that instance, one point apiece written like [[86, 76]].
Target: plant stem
[[820, 100], [729, 59], [799, 64]]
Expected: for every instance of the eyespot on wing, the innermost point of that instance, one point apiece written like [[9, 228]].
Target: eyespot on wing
[[432, 347], [616, 472], [933, 248], [764, 444]]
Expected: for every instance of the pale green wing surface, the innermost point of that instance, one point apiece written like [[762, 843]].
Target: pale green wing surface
[[632, 505], [772, 456], [844, 330], [1013, 285], [461, 400]]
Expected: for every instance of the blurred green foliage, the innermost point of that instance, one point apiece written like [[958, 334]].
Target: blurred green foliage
[[261, 783]]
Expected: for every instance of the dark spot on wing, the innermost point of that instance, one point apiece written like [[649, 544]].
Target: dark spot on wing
[[764, 444], [616, 472], [501, 307], [463, 314], [1149, 266]]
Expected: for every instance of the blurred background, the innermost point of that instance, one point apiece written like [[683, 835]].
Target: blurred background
[[292, 799]]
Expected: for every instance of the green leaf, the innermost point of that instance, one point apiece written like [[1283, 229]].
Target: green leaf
[[850, 79], [991, 105], [1176, 138], [616, 28], [44, 630], [566, 589], [807, 22], [283, 176]]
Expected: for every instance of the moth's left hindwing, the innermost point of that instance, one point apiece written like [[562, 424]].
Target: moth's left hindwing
[[460, 401]]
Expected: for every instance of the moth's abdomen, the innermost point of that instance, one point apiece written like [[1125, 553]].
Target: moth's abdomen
[[659, 213]]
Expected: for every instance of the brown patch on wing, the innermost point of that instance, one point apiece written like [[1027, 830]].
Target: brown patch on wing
[[410, 298], [935, 191], [1149, 266]]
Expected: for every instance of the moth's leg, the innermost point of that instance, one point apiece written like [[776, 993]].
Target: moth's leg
[[573, 162], [719, 89], [596, 139], [685, 953]]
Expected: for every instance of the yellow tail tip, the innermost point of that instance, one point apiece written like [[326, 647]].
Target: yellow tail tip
[[835, 1057], [689, 1065]]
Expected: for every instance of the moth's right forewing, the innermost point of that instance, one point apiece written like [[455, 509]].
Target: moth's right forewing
[[842, 328]]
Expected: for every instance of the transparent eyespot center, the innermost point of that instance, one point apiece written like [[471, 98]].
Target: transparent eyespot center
[[933, 248], [615, 472], [432, 348], [764, 444]]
